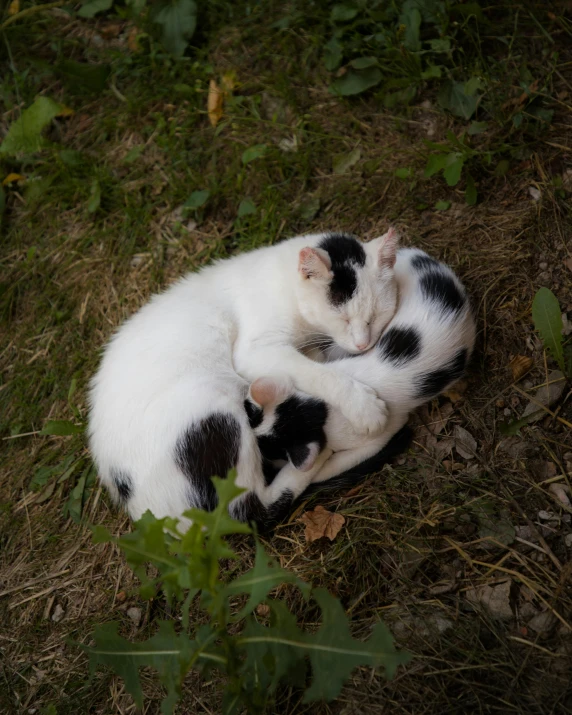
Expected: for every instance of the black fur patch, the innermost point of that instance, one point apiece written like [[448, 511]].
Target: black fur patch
[[298, 454], [206, 450], [123, 484], [250, 508], [441, 287], [422, 261], [433, 383], [254, 413], [400, 344], [298, 422], [345, 252]]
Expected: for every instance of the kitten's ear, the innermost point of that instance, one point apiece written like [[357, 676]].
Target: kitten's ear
[[303, 456], [314, 263], [387, 248], [267, 391]]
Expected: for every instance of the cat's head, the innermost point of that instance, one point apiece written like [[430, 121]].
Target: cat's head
[[288, 424], [347, 289]]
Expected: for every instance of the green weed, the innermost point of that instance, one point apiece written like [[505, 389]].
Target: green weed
[[257, 656]]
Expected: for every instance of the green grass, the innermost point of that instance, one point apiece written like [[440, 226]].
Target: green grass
[[67, 280]]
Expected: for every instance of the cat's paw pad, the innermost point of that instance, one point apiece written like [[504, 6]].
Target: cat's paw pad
[[365, 410]]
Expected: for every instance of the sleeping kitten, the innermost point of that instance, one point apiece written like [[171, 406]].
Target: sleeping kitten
[[167, 405], [424, 349]]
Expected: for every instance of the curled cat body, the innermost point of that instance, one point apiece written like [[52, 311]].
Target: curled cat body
[[167, 403], [424, 349]]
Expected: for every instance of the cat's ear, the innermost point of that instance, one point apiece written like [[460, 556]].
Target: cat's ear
[[303, 456], [268, 391], [315, 263], [386, 246]]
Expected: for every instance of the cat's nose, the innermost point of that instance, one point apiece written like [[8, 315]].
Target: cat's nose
[[362, 346]]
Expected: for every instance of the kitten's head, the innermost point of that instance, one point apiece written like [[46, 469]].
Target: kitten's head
[[288, 424], [347, 289]]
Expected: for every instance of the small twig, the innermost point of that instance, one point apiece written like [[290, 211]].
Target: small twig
[[31, 583], [538, 647], [31, 11]]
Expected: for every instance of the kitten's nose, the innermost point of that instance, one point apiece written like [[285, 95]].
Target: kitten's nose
[[361, 346]]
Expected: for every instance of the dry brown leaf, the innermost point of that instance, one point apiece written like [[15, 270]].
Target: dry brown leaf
[[215, 101], [353, 491], [465, 443], [133, 39], [320, 522], [263, 610], [440, 417], [457, 391], [568, 263], [11, 178], [112, 29], [520, 365]]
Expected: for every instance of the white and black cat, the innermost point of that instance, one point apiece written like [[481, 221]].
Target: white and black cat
[[424, 349], [167, 403]]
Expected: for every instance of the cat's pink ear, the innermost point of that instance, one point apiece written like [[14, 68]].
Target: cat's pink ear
[[314, 263], [268, 391], [386, 254]]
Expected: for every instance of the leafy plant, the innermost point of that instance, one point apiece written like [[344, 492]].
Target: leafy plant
[[177, 19], [25, 134], [547, 318], [400, 45], [256, 654]]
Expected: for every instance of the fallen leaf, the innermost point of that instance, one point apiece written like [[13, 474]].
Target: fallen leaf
[[422, 627], [121, 596], [451, 466], [343, 162], [215, 101], [560, 491], [437, 425], [543, 622], [321, 522], [11, 178], [546, 395], [14, 7], [353, 491], [456, 392], [133, 40], [520, 365], [494, 599], [465, 443], [444, 447]]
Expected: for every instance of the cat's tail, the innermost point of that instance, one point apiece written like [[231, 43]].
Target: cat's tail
[[398, 444]]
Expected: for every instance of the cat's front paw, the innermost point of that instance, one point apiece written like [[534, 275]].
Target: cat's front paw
[[365, 410]]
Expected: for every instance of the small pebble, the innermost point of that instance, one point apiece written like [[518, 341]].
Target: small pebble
[[134, 614], [507, 412], [543, 266], [58, 613]]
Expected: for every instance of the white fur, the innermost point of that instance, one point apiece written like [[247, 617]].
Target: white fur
[[175, 362]]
